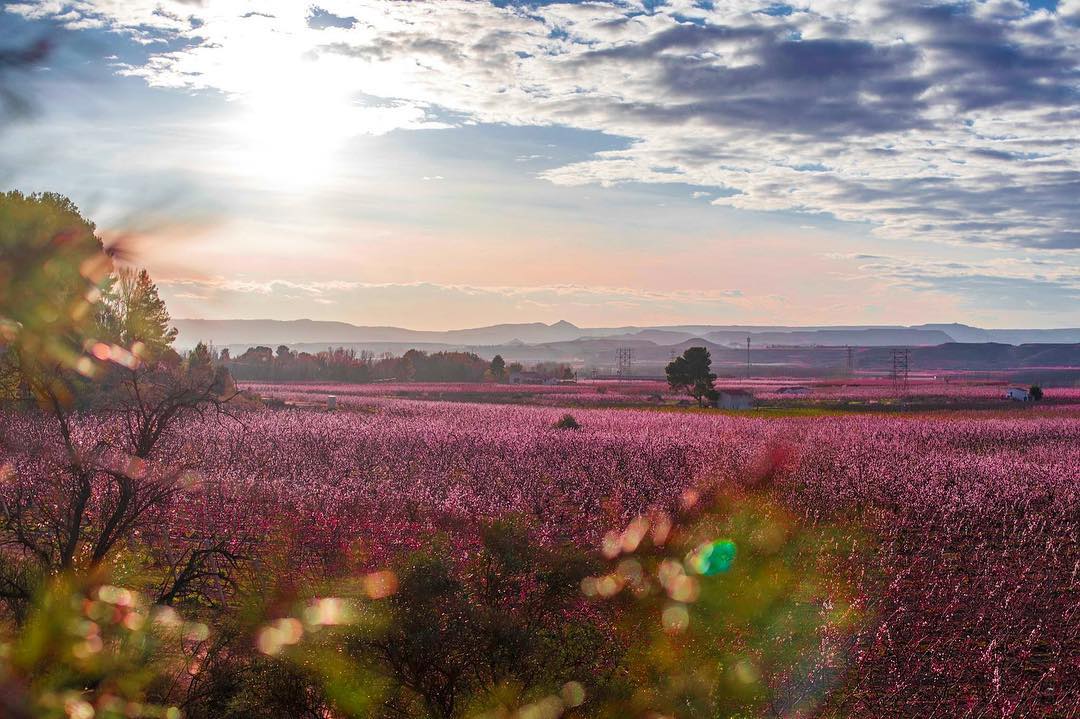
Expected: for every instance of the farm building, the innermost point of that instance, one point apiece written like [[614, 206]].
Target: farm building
[[734, 399], [526, 377], [1018, 394]]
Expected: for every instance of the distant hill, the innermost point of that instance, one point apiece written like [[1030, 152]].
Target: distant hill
[[995, 356], [964, 333], [294, 332], [871, 337], [322, 333]]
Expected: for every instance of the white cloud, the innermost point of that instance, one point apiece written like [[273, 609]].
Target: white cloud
[[937, 122], [269, 286], [262, 287], [1006, 283]]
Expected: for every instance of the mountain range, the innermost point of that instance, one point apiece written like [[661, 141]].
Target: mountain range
[[236, 333]]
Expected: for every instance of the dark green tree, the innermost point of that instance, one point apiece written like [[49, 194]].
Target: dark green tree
[[200, 358], [498, 368], [690, 373], [1035, 393]]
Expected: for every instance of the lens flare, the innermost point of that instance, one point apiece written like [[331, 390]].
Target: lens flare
[[712, 558]]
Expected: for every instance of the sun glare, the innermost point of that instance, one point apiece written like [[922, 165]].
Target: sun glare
[[292, 129]]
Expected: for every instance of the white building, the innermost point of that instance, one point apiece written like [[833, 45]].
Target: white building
[[734, 399], [1018, 394]]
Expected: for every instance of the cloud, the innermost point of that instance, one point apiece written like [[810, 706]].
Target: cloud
[[410, 303], [188, 287], [201, 286], [1011, 284], [944, 122]]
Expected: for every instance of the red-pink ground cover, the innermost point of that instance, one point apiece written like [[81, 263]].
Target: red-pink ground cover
[[973, 581], [588, 393]]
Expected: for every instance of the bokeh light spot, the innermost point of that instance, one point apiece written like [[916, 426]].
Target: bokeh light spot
[[713, 558]]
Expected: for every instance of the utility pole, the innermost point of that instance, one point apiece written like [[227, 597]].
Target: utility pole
[[748, 357], [625, 358], [901, 362]]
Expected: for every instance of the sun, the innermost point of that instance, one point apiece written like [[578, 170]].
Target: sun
[[291, 129]]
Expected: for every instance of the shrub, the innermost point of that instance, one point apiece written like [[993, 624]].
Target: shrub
[[460, 632], [567, 422]]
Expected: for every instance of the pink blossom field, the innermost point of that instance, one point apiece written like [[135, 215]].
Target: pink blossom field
[[588, 392], [971, 585], [604, 393]]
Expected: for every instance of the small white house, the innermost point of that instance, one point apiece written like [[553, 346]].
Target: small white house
[[1018, 394], [734, 399], [331, 401]]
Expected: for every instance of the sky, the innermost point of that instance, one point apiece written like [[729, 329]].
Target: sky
[[447, 163]]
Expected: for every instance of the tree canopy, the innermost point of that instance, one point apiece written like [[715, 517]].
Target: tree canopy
[[53, 268], [135, 316], [498, 368], [691, 373]]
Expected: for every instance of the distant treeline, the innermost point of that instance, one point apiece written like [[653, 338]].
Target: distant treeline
[[346, 365], [338, 364]]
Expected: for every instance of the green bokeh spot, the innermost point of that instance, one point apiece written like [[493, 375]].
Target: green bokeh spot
[[714, 557]]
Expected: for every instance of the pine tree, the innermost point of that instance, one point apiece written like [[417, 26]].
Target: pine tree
[[135, 316], [200, 358]]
